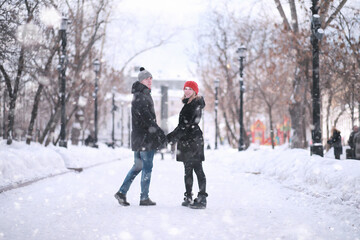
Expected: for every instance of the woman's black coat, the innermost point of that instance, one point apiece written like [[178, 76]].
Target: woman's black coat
[[188, 135], [146, 134]]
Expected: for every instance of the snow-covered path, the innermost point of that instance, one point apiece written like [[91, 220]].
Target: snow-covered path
[[241, 205]]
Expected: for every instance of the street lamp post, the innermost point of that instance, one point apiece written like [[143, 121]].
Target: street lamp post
[[62, 78], [242, 53], [96, 69], [114, 108], [316, 36], [216, 83]]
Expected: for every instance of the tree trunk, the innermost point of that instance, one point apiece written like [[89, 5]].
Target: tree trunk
[[75, 135], [297, 111], [11, 118], [4, 116], [352, 108], [271, 127], [246, 139], [52, 128], [229, 130], [328, 116], [297, 135], [34, 114], [338, 116], [1, 123], [50, 122]]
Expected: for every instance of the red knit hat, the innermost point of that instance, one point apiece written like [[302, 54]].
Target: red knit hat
[[193, 85]]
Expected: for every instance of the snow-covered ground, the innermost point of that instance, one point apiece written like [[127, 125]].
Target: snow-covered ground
[[256, 194]]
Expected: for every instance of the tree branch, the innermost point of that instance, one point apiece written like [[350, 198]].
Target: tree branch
[[294, 17], [282, 14], [7, 80], [142, 51], [324, 10], [332, 17]]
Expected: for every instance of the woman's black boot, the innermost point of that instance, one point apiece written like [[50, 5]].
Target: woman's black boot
[[199, 202], [187, 199]]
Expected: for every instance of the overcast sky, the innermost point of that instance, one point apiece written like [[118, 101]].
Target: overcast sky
[[158, 18], [135, 22]]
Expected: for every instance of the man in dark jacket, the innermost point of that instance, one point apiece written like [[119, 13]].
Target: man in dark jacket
[[146, 137], [352, 143], [351, 138]]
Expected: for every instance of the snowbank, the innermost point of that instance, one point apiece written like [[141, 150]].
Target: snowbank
[[21, 163], [337, 180]]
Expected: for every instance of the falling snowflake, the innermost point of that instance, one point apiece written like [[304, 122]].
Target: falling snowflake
[[29, 34], [50, 17]]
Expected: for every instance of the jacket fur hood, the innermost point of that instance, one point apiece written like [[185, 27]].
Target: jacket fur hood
[[198, 100]]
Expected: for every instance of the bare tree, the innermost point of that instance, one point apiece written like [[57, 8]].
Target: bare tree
[[269, 76], [296, 35], [348, 28], [217, 59], [13, 84]]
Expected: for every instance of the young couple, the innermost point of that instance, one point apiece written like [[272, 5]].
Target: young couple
[[147, 137]]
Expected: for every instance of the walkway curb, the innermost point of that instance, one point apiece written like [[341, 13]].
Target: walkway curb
[[70, 169]]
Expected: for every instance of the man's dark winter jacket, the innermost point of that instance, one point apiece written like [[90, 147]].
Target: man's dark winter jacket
[[351, 141], [146, 134], [187, 134]]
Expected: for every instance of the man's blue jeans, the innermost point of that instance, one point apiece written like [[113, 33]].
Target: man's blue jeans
[[143, 161]]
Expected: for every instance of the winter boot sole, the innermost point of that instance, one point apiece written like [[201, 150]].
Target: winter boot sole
[[147, 202], [185, 204], [197, 206]]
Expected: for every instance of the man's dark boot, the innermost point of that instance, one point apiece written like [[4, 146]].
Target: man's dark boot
[[199, 202], [147, 202], [121, 199], [187, 200]]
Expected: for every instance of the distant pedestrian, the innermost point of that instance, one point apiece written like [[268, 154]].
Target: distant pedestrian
[[146, 137], [335, 142], [351, 141], [190, 144]]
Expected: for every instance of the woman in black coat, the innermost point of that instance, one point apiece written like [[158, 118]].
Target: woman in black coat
[[335, 141], [190, 144]]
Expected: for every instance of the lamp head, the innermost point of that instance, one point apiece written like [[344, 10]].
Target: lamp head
[[64, 22], [241, 51], [216, 82], [96, 65], [315, 20]]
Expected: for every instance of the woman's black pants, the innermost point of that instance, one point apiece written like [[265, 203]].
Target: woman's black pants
[[197, 167]]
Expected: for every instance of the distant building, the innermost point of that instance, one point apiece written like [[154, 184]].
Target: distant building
[[175, 93]]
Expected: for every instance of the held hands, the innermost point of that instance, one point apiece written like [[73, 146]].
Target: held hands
[[164, 141], [168, 139]]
